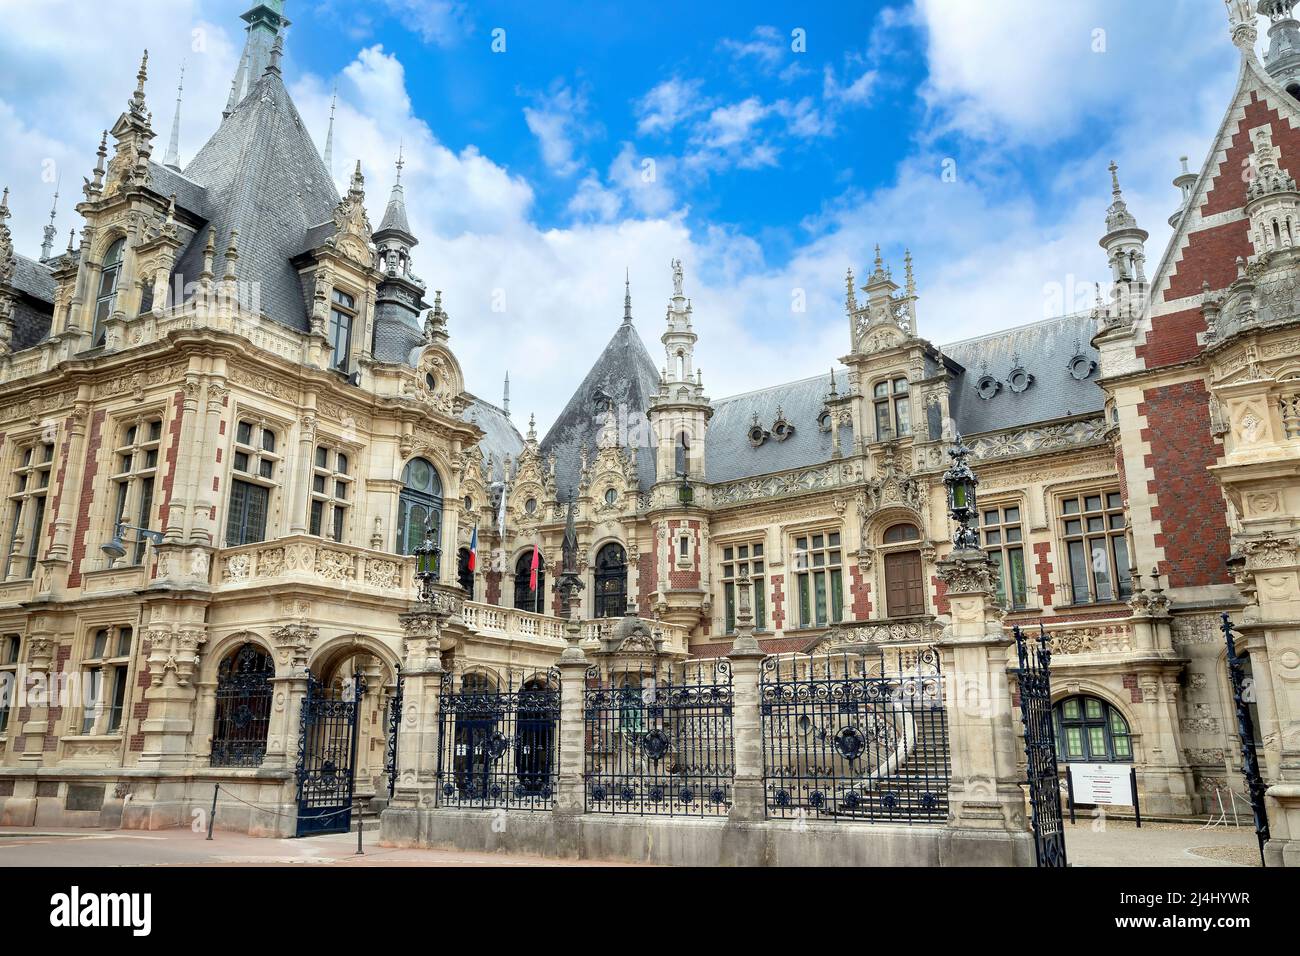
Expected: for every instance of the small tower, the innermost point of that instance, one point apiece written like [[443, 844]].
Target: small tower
[[1282, 60], [266, 21], [1124, 241], [1183, 182], [1272, 202], [680, 412]]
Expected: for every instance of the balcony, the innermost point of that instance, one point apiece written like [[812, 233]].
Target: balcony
[[513, 624], [305, 559]]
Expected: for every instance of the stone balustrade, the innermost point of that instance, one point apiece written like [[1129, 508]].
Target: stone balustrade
[[309, 559]]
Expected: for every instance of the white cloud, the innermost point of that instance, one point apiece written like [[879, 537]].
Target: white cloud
[[765, 46], [440, 22], [557, 120], [668, 104], [856, 93]]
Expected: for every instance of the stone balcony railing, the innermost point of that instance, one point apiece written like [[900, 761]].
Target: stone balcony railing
[[307, 559], [491, 620]]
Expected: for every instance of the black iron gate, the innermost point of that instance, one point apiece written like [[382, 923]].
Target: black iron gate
[[1241, 695], [327, 755], [1034, 678], [394, 725]]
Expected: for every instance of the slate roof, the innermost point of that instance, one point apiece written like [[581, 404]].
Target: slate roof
[[728, 452], [624, 377], [34, 310], [1044, 349], [500, 437], [395, 214], [260, 173]]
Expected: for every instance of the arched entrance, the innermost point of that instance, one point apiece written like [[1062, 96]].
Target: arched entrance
[[478, 742], [243, 707], [535, 721]]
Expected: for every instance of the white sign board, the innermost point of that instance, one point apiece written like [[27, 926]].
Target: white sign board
[[1107, 783]]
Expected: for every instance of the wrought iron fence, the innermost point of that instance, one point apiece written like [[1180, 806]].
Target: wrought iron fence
[[499, 745], [394, 725], [856, 736], [659, 739]]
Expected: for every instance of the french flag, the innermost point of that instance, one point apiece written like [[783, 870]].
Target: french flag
[[532, 571], [473, 549]]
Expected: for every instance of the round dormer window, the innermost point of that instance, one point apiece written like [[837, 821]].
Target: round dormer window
[[429, 381], [824, 421], [757, 435], [530, 506], [988, 386], [1081, 367], [611, 496], [1019, 380], [469, 504]]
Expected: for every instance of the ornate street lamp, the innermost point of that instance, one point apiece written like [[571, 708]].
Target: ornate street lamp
[[428, 558], [960, 482]]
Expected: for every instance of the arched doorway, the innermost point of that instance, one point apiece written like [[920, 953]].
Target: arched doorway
[[529, 598], [611, 581], [904, 575], [338, 673], [243, 711], [478, 743], [419, 505], [535, 721]]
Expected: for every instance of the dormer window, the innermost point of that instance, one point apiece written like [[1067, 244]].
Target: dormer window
[[110, 272], [342, 313], [987, 386], [898, 422], [1019, 380], [1081, 367]]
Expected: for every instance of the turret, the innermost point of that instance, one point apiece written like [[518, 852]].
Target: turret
[[265, 22], [1124, 241], [1282, 60], [680, 411]]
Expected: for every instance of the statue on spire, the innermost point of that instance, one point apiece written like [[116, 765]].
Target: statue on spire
[[677, 277]]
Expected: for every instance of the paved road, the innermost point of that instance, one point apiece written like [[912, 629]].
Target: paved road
[[21, 846], [1117, 844]]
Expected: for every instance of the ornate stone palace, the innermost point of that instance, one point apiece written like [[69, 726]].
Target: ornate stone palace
[[229, 410]]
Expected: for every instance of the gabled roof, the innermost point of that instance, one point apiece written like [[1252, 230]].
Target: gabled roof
[[622, 379], [260, 173], [34, 311]]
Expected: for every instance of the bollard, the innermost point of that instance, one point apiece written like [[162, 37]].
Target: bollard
[[212, 817]]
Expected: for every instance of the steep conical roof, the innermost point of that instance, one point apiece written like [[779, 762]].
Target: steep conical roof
[[622, 381], [263, 176], [395, 215]]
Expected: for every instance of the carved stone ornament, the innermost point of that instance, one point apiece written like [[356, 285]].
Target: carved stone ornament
[[968, 572]]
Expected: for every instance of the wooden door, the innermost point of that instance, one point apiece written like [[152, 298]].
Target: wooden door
[[904, 585]]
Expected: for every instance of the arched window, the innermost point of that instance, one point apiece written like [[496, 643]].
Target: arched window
[[243, 707], [900, 533], [526, 598], [464, 576], [1088, 729], [420, 504], [539, 711], [476, 741], [611, 581], [110, 271]]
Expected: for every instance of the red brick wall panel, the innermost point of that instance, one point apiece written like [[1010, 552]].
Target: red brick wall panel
[[82, 522], [1043, 568]]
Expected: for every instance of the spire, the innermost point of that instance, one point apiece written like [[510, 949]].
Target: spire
[[263, 48], [395, 214], [47, 245], [627, 296], [136, 104], [172, 159], [505, 400], [329, 134], [1241, 21], [1118, 216], [850, 297], [1282, 59]]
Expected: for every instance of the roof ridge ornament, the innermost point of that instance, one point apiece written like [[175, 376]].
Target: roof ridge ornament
[[1241, 22]]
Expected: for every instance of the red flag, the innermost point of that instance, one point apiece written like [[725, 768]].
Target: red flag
[[473, 549], [532, 571]]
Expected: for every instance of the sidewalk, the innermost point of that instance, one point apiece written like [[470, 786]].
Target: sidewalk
[[23, 846], [1120, 843]]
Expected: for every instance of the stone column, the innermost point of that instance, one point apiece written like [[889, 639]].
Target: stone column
[[300, 477], [203, 527], [748, 797], [570, 798], [38, 689], [985, 801], [293, 644], [419, 737]]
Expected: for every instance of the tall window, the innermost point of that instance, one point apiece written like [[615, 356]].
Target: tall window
[[27, 509], [682, 455], [420, 504], [1089, 729], [611, 581], [253, 478], [9, 645], [243, 713], [819, 578], [464, 576], [109, 273], [134, 475], [904, 577], [893, 409], [526, 598], [744, 562], [1004, 542], [330, 484], [343, 313], [1092, 528], [104, 676]]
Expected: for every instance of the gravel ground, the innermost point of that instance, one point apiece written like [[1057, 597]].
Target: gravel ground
[[1120, 843]]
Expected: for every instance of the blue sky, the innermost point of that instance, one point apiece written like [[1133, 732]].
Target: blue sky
[[774, 169]]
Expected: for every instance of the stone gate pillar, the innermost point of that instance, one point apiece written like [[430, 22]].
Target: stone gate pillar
[[418, 739], [986, 805], [748, 796], [569, 796], [292, 643]]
